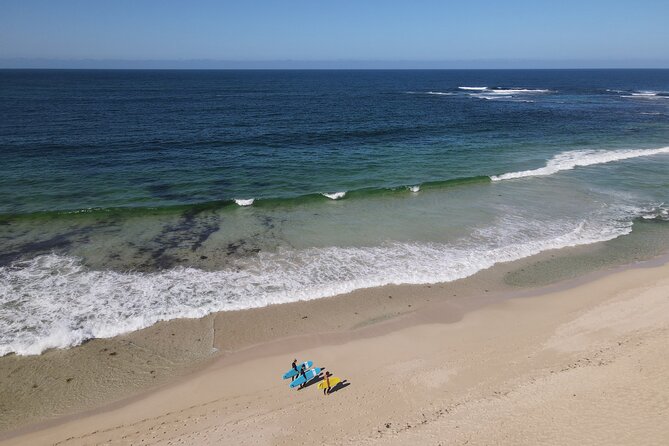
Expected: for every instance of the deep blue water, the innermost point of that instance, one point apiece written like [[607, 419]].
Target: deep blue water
[[97, 139], [128, 197]]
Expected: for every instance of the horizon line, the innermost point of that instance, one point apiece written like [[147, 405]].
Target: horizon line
[[333, 64]]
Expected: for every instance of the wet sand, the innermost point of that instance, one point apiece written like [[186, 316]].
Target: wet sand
[[582, 362]]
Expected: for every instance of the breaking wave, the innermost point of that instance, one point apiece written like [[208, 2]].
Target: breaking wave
[[579, 158], [244, 202], [335, 195]]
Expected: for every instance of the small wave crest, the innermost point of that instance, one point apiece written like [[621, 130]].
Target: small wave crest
[[436, 93], [580, 158], [511, 91], [644, 94], [414, 188], [487, 97], [505, 94], [244, 201], [506, 91], [334, 195]]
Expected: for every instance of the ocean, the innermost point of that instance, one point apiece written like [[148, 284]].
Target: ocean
[[131, 197]]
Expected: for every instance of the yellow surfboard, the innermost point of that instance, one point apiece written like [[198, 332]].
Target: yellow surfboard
[[333, 382]]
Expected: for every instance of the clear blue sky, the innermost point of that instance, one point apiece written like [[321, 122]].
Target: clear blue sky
[[336, 30]]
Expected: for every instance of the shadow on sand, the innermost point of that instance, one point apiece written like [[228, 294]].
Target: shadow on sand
[[313, 381], [340, 385]]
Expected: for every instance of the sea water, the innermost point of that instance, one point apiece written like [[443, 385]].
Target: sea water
[[130, 197]]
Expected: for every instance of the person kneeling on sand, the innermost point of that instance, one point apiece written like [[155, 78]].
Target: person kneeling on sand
[[326, 390]]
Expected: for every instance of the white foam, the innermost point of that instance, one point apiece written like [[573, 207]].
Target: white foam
[[485, 96], [54, 301], [580, 158], [485, 92], [491, 96], [244, 202], [335, 195], [414, 188], [511, 91], [440, 93], [646, 94], [660, 212]]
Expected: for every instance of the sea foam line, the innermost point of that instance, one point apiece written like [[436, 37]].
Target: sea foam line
[[580, 158], [54, 301]]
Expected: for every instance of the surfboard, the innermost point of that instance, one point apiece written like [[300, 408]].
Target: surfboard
[[333, 382], [292, 372], [310, 374]]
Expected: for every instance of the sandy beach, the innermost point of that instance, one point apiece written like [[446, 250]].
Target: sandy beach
[[578, 363]]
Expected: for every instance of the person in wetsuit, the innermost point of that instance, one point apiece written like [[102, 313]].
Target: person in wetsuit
[[303, 372], [295, 368]]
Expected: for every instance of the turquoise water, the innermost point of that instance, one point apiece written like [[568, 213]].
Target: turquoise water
[[132, 197]]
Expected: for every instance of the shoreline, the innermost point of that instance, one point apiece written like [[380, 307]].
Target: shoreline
[[428, 306]]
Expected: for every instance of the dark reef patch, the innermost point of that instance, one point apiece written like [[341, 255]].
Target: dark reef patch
[[191, 230]]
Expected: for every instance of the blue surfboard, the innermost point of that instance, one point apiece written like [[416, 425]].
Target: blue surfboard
[[310, 374], [292, 372]]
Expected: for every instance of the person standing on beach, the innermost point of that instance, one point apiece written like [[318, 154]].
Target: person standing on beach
[[295, 368], [303, 372], [327, 383]]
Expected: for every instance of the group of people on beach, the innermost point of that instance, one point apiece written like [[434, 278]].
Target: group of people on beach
[[303, 371]]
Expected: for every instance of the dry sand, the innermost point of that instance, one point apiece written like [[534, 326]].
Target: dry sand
[[583, 365]]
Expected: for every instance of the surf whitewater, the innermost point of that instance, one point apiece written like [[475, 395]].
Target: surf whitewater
[[55, 301]]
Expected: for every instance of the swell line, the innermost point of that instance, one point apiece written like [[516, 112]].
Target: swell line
[[236, 203], [562, 161]]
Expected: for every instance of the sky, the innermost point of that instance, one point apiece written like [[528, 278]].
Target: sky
[[335, 33]]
